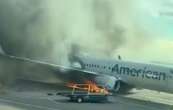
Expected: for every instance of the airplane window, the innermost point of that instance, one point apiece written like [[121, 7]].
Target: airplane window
[[89, 65], [109, 67]]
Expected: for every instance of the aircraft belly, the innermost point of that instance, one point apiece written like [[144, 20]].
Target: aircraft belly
[[146, 83], [169, 84]]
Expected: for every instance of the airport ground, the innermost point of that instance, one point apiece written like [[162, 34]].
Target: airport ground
[[27, 95]]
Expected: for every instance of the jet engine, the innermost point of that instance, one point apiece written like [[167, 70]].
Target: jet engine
[[113, 84]]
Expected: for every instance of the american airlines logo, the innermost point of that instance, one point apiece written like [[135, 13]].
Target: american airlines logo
[[143, 73]]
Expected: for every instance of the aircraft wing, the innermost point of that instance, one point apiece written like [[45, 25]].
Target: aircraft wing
[[15, 67]]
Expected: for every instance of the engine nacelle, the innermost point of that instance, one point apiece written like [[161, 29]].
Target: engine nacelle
[[76, 65], [113, 84], [109, 82]]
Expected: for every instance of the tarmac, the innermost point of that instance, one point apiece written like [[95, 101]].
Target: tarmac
[[28, 95]]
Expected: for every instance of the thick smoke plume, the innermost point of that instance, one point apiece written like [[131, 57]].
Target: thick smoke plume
[[46, 30]]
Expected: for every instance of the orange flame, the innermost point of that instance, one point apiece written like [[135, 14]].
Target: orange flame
[[88, 86]]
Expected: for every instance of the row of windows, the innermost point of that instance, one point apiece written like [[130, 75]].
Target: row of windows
[[97, 66]]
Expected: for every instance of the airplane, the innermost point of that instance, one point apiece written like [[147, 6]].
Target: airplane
[[115, 75], [121, 76]]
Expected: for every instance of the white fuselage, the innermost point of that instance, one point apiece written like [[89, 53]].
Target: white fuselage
[[149, 76]]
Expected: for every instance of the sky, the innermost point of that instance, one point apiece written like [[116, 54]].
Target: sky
[[155, 17]]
